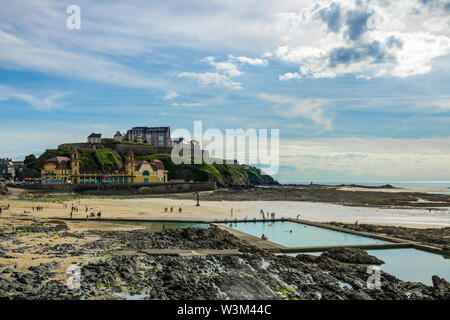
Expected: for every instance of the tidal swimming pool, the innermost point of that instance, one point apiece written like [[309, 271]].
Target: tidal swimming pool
[[408, 264], [302, 235], [413, 265]]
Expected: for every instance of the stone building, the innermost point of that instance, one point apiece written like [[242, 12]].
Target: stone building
[[7, 171], [118, 136], [94, 138], [158, 136]]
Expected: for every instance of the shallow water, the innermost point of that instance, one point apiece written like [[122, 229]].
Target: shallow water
[[413, 265], [409, 264], [157, 226], [302, 235]]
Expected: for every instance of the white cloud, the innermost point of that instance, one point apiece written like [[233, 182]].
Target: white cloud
[[365, 158], [225, 70], [19, 53], [289, 76], [171, 94], [366, 38], [251, 61], [211, 78], [187, 104], [311, 109], [46, 103]]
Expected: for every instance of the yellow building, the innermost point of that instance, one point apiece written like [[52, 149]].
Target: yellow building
[[63, 169]]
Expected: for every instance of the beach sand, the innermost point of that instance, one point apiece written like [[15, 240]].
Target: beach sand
[[154, 208]]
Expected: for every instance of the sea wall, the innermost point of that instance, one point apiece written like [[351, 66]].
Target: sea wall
[[120, 147], [121, 189]]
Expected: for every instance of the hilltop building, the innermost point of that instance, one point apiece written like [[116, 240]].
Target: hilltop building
[[63, 169], [158, 136], [94, 138], [118, 136]]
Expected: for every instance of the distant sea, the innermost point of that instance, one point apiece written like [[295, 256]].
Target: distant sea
[[435, 186]]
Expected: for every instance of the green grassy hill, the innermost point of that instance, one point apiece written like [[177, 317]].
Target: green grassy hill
[[109, 161], [90, 160], [222, 174]]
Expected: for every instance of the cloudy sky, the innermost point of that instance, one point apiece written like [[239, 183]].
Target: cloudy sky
[[359, 89]]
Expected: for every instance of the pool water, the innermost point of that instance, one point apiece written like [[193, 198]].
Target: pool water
[[302, 235], [408, 264], [157, 225], [413, 265]]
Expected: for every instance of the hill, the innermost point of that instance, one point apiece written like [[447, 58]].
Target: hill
[[106, 160]]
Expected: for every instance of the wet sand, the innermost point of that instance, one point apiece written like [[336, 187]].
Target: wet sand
[[154, 208]]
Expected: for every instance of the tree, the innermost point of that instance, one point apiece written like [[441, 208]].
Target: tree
[[30, 161]]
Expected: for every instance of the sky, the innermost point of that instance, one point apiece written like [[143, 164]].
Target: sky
[[358, 89]]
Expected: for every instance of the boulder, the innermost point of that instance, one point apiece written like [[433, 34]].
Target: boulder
[[352, 255]]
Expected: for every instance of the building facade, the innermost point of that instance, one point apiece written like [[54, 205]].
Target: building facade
[[7, 170], [118, 136], [158, 136], [63, 169], [94, 138]]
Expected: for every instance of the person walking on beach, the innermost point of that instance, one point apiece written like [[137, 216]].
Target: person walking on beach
[[71, 214]]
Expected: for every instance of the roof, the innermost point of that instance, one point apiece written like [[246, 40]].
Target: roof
[[158, 164], [60, 162], [140, 163], [118, 134], [95, 135], [164, 129]]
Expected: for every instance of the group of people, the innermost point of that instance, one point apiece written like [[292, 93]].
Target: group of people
[[93, 214], [4, 208], [263, 214], [180, 209], [38, 208]]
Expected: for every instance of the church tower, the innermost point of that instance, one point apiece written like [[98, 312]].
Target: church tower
[[130, 164], [75, 165]]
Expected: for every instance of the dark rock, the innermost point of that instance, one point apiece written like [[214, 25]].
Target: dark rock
[[352, 255]]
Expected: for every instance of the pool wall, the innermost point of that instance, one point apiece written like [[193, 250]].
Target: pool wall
[[397, 243]]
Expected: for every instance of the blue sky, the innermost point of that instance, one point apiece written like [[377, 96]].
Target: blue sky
[[358, 89]]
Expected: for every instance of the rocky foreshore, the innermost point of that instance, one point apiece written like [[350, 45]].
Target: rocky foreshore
[[357, 196], [438, 237], [254, 274]]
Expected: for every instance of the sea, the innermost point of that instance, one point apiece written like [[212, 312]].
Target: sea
[[430, 186]]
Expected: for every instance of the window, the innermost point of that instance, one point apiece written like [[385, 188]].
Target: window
[[145, 173]]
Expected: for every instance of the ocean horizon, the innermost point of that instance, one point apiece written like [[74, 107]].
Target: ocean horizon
[[421, 185]]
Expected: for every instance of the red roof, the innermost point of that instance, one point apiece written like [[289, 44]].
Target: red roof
[[158, 164], [139, 164], [60, 162]]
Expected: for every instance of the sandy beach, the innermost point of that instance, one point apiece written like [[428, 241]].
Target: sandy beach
[[154, 208]]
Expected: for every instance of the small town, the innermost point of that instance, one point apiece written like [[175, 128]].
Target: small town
[[60, 169]]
